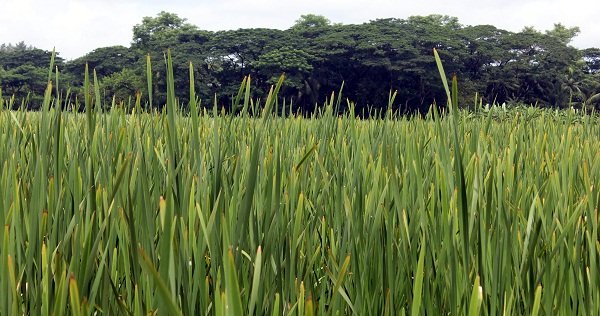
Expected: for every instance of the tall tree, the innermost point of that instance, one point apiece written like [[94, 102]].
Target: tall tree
[[24, 71], [162, 28], [187, 44], [563, 34], [105, 60], [233, 54]]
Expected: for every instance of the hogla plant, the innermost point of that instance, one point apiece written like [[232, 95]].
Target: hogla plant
[[134, 212]]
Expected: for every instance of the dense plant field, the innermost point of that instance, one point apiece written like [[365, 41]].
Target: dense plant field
[[129, 213]]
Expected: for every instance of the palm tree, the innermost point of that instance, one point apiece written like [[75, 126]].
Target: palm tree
[[583, 89]]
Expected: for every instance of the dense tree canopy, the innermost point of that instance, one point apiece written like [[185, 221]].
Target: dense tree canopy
[[24, 71], [371, 59]]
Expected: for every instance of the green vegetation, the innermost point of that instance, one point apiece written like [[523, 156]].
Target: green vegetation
[[129, 212], [372, 58]]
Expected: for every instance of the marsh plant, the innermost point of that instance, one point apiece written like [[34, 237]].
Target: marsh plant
[[134, 212]]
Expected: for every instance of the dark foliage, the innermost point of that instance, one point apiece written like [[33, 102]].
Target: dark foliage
[[371, 59]]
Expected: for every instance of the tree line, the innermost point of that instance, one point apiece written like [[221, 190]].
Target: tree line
[[317, 56]]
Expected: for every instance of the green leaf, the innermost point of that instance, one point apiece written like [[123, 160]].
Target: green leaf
[[256, 282], [418, 285], [536, 301], [232, 289], [476, 298], [169, 304]]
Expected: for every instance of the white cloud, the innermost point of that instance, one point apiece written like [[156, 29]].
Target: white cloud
[[78, 26]]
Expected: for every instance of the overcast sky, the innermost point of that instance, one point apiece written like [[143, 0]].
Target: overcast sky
[[76, 27]]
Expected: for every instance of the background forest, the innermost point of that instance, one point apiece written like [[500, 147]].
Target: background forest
[[371, 59]]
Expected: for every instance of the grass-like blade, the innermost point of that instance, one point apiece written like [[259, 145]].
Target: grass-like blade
[[169, 306]]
